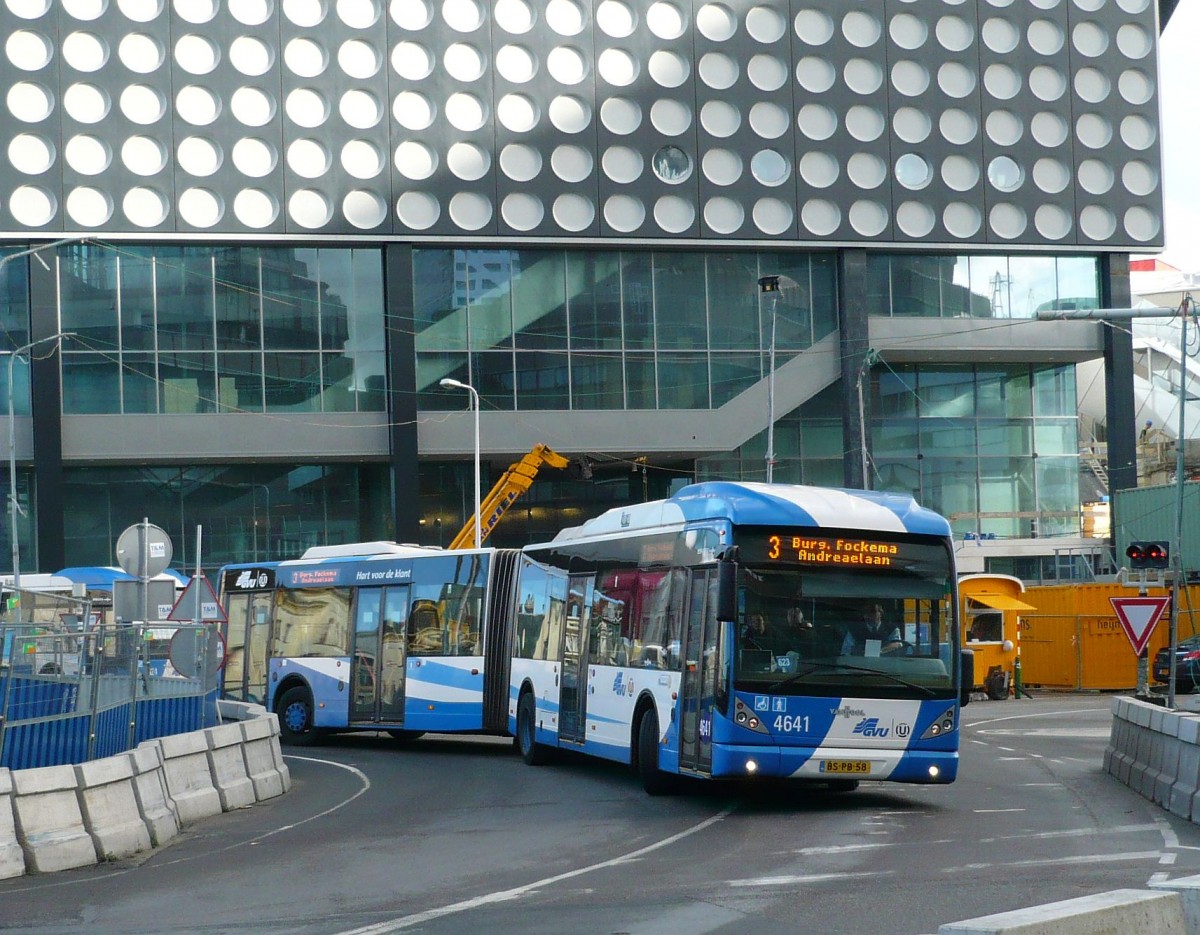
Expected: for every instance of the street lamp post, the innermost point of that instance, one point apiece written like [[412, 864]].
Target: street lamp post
[[769, 285], [12, 446], [451, 384]]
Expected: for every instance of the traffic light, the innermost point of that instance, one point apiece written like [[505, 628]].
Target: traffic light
[[1148, 554]]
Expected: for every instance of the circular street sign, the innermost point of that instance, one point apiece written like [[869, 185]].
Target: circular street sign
[[143, 550], [196, 651]]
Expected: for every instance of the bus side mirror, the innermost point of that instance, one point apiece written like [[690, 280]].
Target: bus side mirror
[[726, 590], [968, 677]]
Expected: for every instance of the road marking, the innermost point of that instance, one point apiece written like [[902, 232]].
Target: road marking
[[804, 878], [403, 922], [1055, 861], [1070, 833], [1160, 877], [839, 849], [995, 811]]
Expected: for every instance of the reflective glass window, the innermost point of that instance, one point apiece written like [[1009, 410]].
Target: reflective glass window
[[639, 381], [944, 437], [1006, 486], [823, 278], [1033, 284], [1056, 437], [1078, 281], [597, 381], [594, 299], [486, 276], [731, 374], [432, 367], [949, 486], [917, 285], [292, 290], [187, 383], [439, 300], [733, 301], [680, 307], [1058, 495], [91, 383], [87, 283], [539, 300], [367, 379], [20, 383], [947, 393], [1054, 391], [14, 298], [879, 284], [136, 297], [139, 383], [1000, 437], [542, 380], [184, 298], [637, 299], [794, 307], [240, 382], [683, 381], [492, 376], [989, 282], [292, 382], [894, 393], [238, 292], [1003, 392]]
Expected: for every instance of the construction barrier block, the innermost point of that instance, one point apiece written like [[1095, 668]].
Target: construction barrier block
[[110, 809], [277, 751], [12, 858], [1115, 911], [228, 766], [189, 780], [260, 758], [1188, 889], [155, 805], [49, 821]]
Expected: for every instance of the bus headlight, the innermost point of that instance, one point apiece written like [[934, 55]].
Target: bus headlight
[[934, 772], [943, 725], [751, 767]]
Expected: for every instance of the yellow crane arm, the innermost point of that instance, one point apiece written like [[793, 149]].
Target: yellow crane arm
[[514, 482]]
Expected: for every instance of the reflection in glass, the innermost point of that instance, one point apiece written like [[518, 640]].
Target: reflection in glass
[[597, 381], [672, 165], [542, 380]]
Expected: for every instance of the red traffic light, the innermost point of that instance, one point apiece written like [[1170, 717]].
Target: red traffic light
[[1148, 555]]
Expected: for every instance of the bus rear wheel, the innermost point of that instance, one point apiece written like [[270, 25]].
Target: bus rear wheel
[[532, 752], [654, 780], [295, 711]]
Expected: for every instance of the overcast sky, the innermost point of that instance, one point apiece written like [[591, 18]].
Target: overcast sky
[[1180, 78]]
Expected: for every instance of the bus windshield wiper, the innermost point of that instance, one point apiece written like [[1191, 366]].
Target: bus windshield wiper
[[843, 667]]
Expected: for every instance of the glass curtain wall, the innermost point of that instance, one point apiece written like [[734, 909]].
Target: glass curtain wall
[[206, 329], [551, 329], [248, 512]]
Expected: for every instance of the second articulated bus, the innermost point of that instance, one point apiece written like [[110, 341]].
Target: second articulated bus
[[745, 630], [373, 636]]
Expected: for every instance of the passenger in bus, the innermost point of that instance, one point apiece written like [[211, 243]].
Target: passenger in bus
[[754, 634]]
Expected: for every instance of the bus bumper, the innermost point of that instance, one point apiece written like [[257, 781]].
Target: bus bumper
[[826, 764]]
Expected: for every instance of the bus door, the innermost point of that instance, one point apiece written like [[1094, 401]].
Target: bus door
[[379, 655], [247, 639], [572, 695], [701, 669]]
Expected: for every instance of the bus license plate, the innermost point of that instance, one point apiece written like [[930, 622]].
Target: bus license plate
[[846, 766]]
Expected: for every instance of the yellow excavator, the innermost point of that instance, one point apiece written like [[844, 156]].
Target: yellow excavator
[[514, 482]]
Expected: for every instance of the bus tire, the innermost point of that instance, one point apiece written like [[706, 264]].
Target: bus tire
[[654, 780], [532, 752], [295, 711], [405, 736]]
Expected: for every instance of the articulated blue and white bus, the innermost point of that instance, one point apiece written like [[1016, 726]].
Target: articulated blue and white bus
[[372, 636], [745, 630]]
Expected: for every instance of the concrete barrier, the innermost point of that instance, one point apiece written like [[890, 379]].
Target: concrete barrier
[[59, 817], [1132, 911], [1188, 889], [48, 819], [189, 778], [155, 805], [12, 858], [227, 764], [109, 806]]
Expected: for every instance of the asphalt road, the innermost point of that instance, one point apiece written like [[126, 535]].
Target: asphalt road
[[453, 835]]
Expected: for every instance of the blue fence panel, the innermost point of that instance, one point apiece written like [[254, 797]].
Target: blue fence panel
[[46, 743], [112, 731], [159, 717], [31, 697]]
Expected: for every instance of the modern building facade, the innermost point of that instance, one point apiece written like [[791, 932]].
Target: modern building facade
[[283, 222]]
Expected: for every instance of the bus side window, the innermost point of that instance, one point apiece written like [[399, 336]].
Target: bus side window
[[425, 637]]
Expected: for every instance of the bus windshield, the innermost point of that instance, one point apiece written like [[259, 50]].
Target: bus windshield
[[856, 632]]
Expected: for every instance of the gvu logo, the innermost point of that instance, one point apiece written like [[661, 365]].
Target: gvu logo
[[248, 579], [620, 686], [869, 727]]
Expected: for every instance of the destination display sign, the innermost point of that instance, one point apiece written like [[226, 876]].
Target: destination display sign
[[786, 547]]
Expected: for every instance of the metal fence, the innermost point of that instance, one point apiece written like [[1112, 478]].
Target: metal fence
[[69, 695]]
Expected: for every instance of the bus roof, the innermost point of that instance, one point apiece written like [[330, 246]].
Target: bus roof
[[367, 549], [756, 504]]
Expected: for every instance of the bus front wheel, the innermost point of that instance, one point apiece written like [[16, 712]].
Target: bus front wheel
[[532, 752], [295, 710], [654, 780]]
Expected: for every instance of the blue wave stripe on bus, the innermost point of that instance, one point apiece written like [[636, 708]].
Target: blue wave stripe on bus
[[438, 673]]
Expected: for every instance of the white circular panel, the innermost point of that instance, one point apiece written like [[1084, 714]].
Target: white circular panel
[[815, 75], [252, 107], [196, 55], [724, 215], [1135, 86], [770, 167], [84, 51], [1049, 129], [624, 213], [814, 27], [359, 59], [1051, 176], [573, 212], [143, 156], [413, 110], [360, 109], [864, 123], [911, 125], [571, 163], [1089, 39], [463, 62], [816, 121], [909, 78], [522, 211], [200, 207], [516, 63], [87, 155], [818, 169], [721, 166], [462, 15], [307, 108], [868, 218], [141, 11], [716, 22], [1007, 220], [768, 120], [198, 106], [310, 13], [466, 112], [861, 29], [570, 114], [516, 112], [414, 160], [470, 210], [957, 126], [665, 20], [821, 217], [1093, 131], [616, 19], [364, 209], [1052, 222], [250, 56], [1097, 222], [418, 210], [620, 115], [141, 53], [718, 70], [310, 209], [256, 158], [766, 72], [198, 156], [358, 14], [954, 33], [765, 25], [363, 159], [1000, 35], [1004, 128], [255, 208], [143, 104], [674, 214], [252, 12], [1047, 84], [962, 220], [31, 154], [960, 173], [670, 118], [310, 159], [617, 67], [197, 12], [773, 216], [720, 118], [1139, 178], [622, 164], [144, 207], [915, 218], [89, 207], [866, 170], [1001, 82], [1138, 132], [412, 61], [1134, 42], [513, 16], [1045, 37], [1092, 85], [565, 17], [28, 50], [1005, 174], [668, 69], [468, 161], [32, 206], [520, 163], [862, 76], [305, 58], [567, 65], [910, 33], [32, 103]]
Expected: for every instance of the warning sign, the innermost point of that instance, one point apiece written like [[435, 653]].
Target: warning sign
[[1138, 616], [197, 603]]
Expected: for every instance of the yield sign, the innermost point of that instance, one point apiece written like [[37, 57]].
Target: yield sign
[[198, 603], [1138, 615]]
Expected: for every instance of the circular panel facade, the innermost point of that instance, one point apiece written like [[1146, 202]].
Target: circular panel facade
[[1001, 82], [310, 159], [1092, 85], [670, 118], [522, 211], [816, 75], [198, 106], [721, 166], [720, 119], [304, 57], [1141, 223], [672, 165], [862, 76], [913, 171], [674, 214], [821, 217], [310, 209], [773, 216], [769, 121], [468, 161], [418, 210], [861, 29], [28, 50], [254, 157], [766, 72], [144, 207], [466, 112], [141, 11], [1134, 42], [143, 105], [617, 67], [1089, 39], [567, 65], [143, 156], [513, 16], [962, 220], [85, 52], [516, 63], [1004, 128], [255, 208], [724, 215], [463, 62], [765, 25], [359, 60], [868, 218], [516, 112], [141, 53], [770, 167], [570, 114], [624, 213], [198, 156], [307, 107], [565, 17], [957, 126], [412, 61], [915, 218], [252, 107], [573, 212], [1135, 86], [909, 78], [716, 22], [911, 125], [616, 19], [31, 154], [414, 160], [571, 163], [310, 13], [956, 80], [413, 110], [909, 32], [1049, 129], [200, 207], [364, 209], [89, 207], [623, 164], [32, 206], [520, 163], [718, 71], [87, 155], [252, 12], [360, 109], [960, 173], [462, 15], [470, 210], [1094, 131], [1097, 222], [1007, 221], [196, 55], [1137, 132], [864, 123], [358, 14], [620, 115], [954, 33], [814, 27], [1096, 176], [1005, 174], [32, 103], [250, 56], [866, 170], [1051, 176], [362, 159], [818, 169], [1052, 222], [665, 20], [1047, 84], [816, 121], [1139, 178], [1045, 37], [668, 69]]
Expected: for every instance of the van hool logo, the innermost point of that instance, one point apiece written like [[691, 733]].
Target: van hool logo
[[847, 711]]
